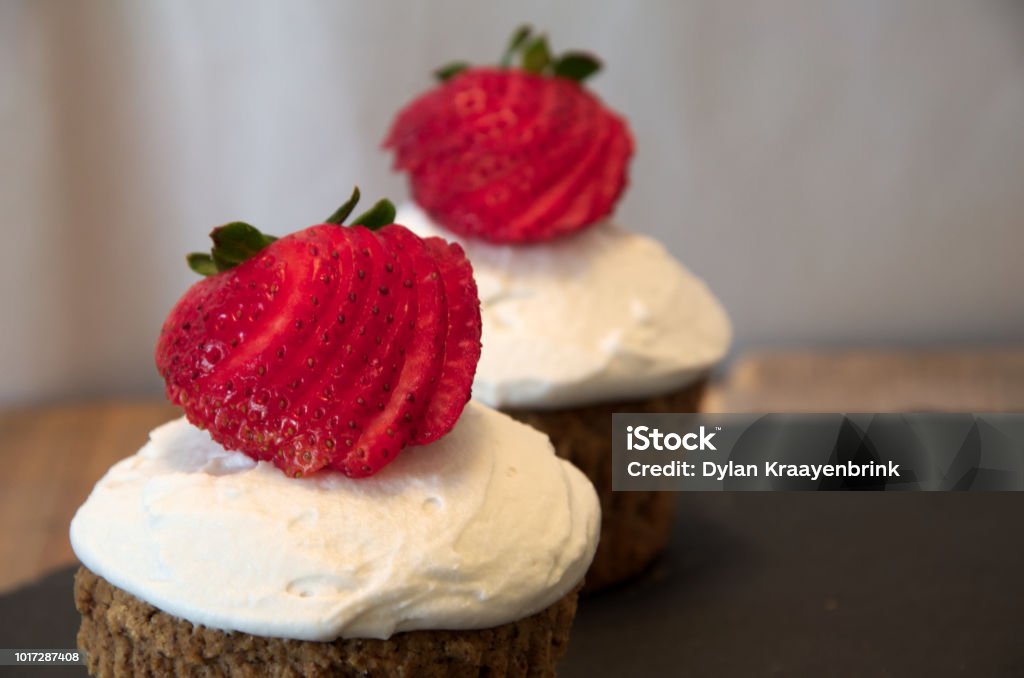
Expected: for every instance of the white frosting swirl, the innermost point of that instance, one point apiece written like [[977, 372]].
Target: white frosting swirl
[[602, 315], [483, 527]]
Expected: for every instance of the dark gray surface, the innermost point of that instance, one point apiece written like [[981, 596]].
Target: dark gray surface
[[783, 584], [821, 584], [41, 615]]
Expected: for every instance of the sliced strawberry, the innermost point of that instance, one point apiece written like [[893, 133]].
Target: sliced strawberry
[[508, 155], [324, 348]]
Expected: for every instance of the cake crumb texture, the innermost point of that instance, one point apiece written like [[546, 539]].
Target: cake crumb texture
[[635, 526], [122, 635]]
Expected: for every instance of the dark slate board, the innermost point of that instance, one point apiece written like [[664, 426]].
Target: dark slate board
[[784, 584]]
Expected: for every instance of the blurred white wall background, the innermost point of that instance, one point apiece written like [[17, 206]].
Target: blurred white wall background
[[840, 172]]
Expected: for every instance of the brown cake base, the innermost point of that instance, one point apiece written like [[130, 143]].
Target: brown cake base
[[124, 636], [635, 526]]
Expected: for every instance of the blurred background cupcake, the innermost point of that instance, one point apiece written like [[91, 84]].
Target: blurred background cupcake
[[581, 317]]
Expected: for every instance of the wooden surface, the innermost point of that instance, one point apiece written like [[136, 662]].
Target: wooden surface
[[873, 381], [51, 457]]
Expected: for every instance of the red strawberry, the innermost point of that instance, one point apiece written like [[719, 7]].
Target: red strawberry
[[331, 347], [514, 155]]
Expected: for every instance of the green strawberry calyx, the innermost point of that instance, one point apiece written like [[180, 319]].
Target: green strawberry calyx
[[534, 57], [236, 242]]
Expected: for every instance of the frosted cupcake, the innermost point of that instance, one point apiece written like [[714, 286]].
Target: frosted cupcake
[[313, 514], [460, 557], [581, 317]]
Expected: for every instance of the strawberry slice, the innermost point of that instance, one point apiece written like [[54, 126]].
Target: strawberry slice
[[462, 341]]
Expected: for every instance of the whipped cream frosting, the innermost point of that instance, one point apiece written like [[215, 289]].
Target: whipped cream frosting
[[602, 315], [482, 527]]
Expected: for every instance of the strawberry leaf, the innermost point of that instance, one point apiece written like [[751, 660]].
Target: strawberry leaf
[[342, 212], [514, 44], [378, 216], [232, 244], [236, 242], [576, 66], [536, 55], [202, 263], [451, 70], [381, 214]]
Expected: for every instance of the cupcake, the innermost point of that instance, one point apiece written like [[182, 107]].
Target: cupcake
[[581, 317], [331, 504]]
